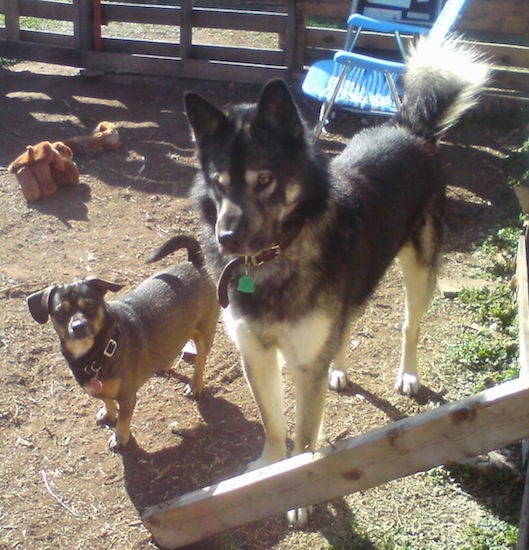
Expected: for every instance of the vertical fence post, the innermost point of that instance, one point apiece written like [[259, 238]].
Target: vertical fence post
[[295, 37], [186, 28], [12, 20], [83, 30]]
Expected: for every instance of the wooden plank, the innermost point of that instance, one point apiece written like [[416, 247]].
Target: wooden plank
[[82, 24], [239, 20], [292, 36], [115, 63], [232, 19], [12, 22], [39, 38], [327, 40], [522, 281], [186, 29], [509, 16], [478, 424], [523, 525], [140, 13], [212, 53], [46, 10]]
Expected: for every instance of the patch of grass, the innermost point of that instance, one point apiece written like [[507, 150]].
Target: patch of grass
[[491, 535], [321, 21], [483, 359], [486, 351], [494, 308], [500, 249]]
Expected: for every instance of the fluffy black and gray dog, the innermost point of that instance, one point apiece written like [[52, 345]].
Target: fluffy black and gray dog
[[298, 244]]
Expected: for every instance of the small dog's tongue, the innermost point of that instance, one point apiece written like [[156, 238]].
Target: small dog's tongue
[[97, 385]]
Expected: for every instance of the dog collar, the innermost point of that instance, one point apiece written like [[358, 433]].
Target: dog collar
[[246, 283], [94, 368], [95, 365]]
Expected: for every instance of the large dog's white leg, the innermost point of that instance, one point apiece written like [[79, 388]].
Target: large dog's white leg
[[419, 283], [307, 356], [264, 377]]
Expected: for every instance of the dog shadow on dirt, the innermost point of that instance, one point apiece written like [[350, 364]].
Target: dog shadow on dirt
[[216, 449]]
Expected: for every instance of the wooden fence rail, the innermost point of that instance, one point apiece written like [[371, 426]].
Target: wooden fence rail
[[188, 40]]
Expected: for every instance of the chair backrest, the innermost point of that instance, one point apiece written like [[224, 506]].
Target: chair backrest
[[417, 12]]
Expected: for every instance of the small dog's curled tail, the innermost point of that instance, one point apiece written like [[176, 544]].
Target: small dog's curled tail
[[194, 251], [441, 82]]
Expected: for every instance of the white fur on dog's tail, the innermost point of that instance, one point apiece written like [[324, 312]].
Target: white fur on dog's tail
[[441, 82]]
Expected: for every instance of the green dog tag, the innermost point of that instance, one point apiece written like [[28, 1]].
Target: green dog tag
[[246, 284]]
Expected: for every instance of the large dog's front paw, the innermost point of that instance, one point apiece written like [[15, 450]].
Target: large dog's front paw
[[407, 384], [299, 516], [337, 380]]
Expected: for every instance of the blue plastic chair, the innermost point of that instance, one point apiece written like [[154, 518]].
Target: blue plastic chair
[[365, 84]]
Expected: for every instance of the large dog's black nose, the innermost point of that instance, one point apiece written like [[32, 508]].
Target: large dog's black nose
[[229, 241]]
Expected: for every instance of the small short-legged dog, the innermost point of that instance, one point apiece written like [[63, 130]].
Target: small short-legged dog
[[113, 348]]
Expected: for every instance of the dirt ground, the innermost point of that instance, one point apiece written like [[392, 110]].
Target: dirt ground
[[60, 486]]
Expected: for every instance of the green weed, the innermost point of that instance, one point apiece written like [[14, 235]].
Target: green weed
[[491, 535]]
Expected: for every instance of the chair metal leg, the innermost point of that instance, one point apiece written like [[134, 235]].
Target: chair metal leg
[[327, 106], [393, 89]]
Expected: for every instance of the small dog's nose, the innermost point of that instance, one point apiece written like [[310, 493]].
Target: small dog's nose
[[79, 327]]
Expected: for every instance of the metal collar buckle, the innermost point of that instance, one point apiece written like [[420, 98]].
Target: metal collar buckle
[[110, 348], [265, 255]]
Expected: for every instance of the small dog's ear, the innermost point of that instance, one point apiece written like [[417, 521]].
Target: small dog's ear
[[103, 286], [277, 111], [206, 120], [39, 304]]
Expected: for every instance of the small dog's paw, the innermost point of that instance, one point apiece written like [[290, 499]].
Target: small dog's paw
[[407, 384], [299, 516], [116, 443], [105, 418], [190, 390], [337, 380]]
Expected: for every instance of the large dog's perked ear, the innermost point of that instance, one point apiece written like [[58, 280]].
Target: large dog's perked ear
[[206, 120], [277, 111], [103, 286], [39, 304]]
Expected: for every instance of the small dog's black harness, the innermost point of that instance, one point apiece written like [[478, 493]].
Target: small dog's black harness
[[94, 365]]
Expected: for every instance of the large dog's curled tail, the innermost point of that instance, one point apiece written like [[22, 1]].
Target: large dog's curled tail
[[194, 251], [441, 82]]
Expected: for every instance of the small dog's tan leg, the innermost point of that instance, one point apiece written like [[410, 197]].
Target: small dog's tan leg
[[121, 434], [107, 415], [196, 385]]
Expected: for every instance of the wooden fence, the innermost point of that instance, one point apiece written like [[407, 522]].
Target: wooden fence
[[187, 38]]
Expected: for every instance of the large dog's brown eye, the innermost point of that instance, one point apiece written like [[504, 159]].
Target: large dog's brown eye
[[264, 179]]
